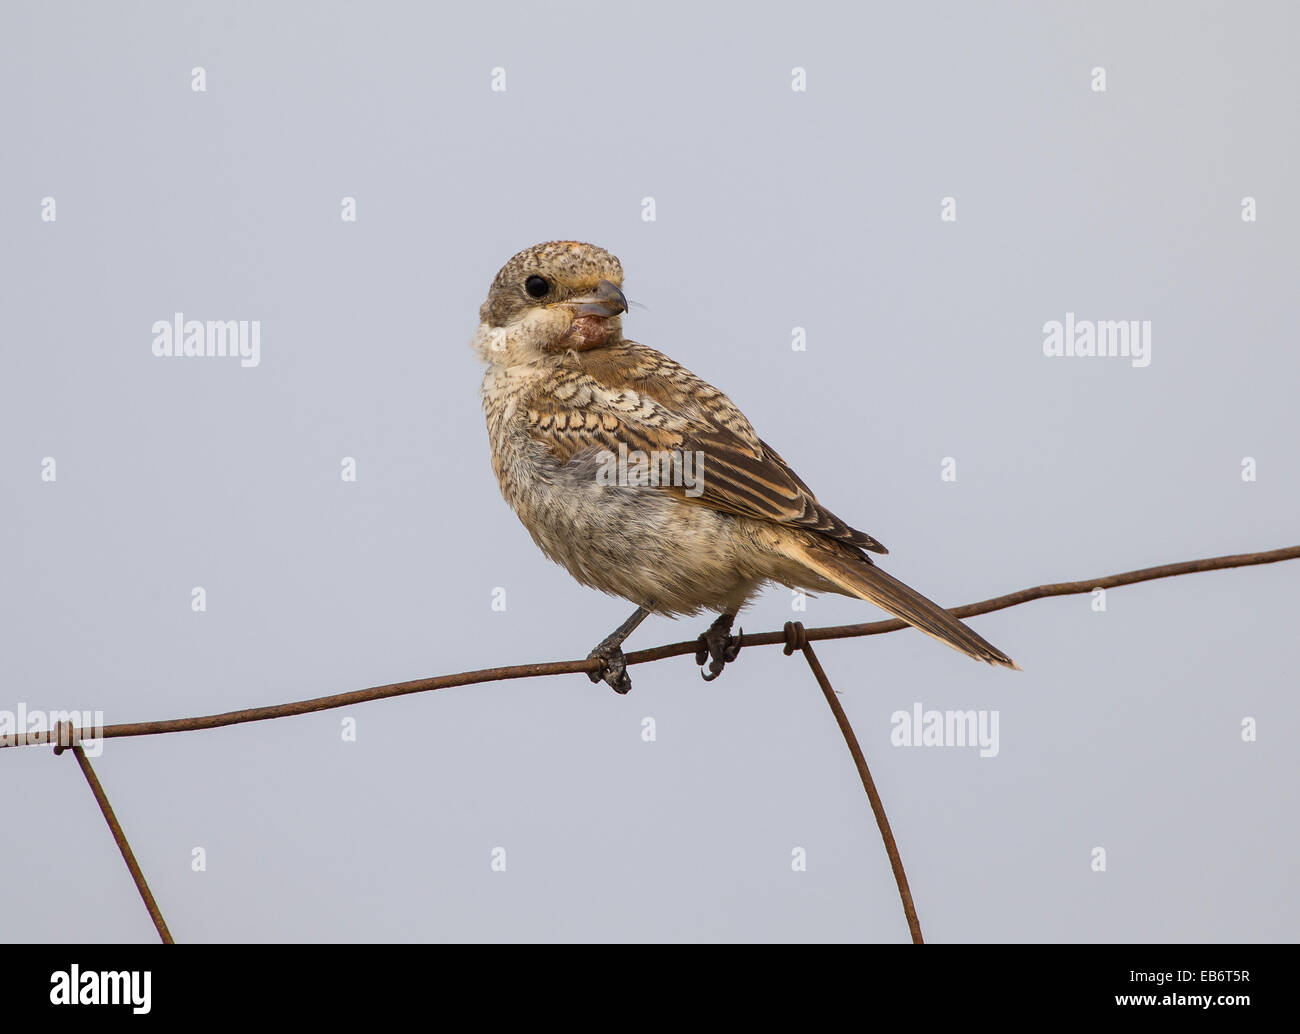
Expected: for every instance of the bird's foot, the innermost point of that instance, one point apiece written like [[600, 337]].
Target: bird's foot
[[609, 652], [613, 669], [718, 646]]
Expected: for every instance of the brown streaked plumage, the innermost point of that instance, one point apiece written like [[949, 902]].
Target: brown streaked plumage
[[744, 475], [564, 391]]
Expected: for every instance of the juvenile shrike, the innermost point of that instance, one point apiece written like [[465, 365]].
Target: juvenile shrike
[[648, 483]]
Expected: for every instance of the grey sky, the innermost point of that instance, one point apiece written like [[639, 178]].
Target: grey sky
[[775, 209]]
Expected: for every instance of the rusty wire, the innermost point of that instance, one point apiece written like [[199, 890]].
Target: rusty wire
[[794, 637], [67, 739], [525, 671]]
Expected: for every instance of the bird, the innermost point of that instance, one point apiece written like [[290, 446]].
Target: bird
[[646, 482]]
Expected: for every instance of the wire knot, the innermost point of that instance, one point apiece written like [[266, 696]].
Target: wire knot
[[796, 636], [64, 737]]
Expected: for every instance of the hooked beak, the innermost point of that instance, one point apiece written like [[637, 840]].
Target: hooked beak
[[605, 300]]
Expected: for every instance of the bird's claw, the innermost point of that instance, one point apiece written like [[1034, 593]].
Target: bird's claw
[[613, 669], [718, 648]]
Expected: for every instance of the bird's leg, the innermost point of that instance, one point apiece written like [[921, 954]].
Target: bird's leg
[[610, 650], [718, 646]]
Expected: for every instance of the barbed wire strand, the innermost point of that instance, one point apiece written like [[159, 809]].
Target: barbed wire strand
[[804, 637], [67, 740]]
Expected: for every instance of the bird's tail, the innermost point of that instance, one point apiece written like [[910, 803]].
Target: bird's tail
[[857, 576]]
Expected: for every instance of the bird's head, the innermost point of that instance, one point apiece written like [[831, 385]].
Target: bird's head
[[553, 297]]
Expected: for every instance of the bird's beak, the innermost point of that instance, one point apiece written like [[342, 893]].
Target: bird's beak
[[605, 300]]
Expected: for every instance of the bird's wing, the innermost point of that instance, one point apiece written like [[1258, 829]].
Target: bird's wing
[[637, 397]]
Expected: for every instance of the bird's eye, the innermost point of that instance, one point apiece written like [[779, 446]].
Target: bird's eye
[[537, 286]]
